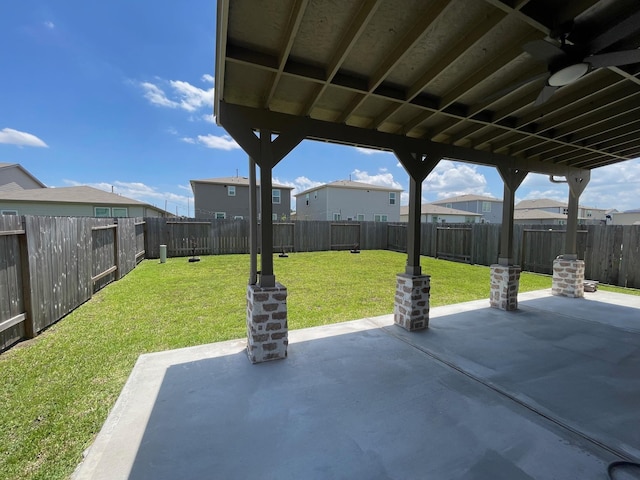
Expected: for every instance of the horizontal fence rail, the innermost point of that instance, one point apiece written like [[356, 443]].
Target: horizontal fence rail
[[51, 265]]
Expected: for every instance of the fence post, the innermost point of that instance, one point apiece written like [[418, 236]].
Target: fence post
[[29, 324]]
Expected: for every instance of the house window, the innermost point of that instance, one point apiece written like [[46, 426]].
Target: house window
[[306, 198], [379, 218], [565, 211], [274, 217], [392, 198], [434, 218], [486, 207], [360, 217], [9, 212], [231, 190], [238, 217], [449, 205], [336, 216], [102, 212], [589, 213], [562, 222], [119, 212], [220, 215], [315, 195], [275, 196]]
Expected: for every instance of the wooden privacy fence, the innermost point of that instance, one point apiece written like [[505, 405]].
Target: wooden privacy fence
[[51, 265], [221, 236]]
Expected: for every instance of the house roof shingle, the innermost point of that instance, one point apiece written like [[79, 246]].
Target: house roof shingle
[[433, 209], [242, 181], [81, 194], [467, 198], [353, 185]]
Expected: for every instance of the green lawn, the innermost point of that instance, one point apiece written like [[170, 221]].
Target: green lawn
[[56, 390]]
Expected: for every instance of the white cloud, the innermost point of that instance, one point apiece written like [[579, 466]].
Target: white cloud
[[222, 142], [49, 24], [383, 178], [157, 96], [208, 117], [451, 179], [371, 151], [614, 186], [179, 94], [144, 193], [23, 139]]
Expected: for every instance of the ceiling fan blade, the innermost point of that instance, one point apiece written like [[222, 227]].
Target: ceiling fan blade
[[545, 94], [613, 59], [514, 86], [625, 28], [543, 50]]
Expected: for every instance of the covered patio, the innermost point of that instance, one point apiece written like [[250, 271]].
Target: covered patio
[[549, 391], [523, 86]]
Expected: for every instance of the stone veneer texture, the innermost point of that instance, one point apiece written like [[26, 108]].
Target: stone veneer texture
[[505, 282], [411, 310], [568, 278], [267, 329]]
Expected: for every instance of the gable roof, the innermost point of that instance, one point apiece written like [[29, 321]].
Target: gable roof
[[24, 170], [535, 214], [433, 209], [467, 198], [82, 194], [352, 185], [539, 203], [240, 181]]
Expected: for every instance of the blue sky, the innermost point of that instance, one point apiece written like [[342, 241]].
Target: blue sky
[[119, 94]]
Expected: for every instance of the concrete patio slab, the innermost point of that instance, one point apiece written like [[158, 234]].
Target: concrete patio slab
[[549, 391]]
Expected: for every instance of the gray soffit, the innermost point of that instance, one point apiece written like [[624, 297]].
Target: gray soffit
[[454, 79]]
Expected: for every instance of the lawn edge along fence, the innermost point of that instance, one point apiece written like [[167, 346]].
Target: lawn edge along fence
[[51, 265]]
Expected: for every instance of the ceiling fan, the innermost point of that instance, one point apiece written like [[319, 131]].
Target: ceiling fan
[[570, 60]]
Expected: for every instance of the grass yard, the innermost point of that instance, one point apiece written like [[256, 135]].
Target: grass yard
[[56, 390]]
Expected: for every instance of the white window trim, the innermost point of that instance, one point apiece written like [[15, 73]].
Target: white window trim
[[95, 212], [358, 215], [378, 217], [238, 217], [274, 196], [336, 217], [486, 207], [224, 215], [392, 198], [126, 212], [231, 190], [274, 217], [8, 212]]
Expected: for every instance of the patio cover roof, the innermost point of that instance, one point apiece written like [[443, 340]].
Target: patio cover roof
[[451, 78]]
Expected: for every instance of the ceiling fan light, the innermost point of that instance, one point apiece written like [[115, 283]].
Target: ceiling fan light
[[568, 74]]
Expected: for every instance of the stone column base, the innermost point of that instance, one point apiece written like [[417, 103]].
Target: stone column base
[[267, 329], [568, 278], [505, 281], [411, 310]]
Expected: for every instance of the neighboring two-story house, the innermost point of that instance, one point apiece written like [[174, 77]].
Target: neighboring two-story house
[[586, 215], [430, 213], [228, 197], [348, 200], [490, 208]]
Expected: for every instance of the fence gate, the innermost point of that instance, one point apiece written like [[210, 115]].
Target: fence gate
[[541, 247], [344, 236], [397, 237], [454, 243]]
